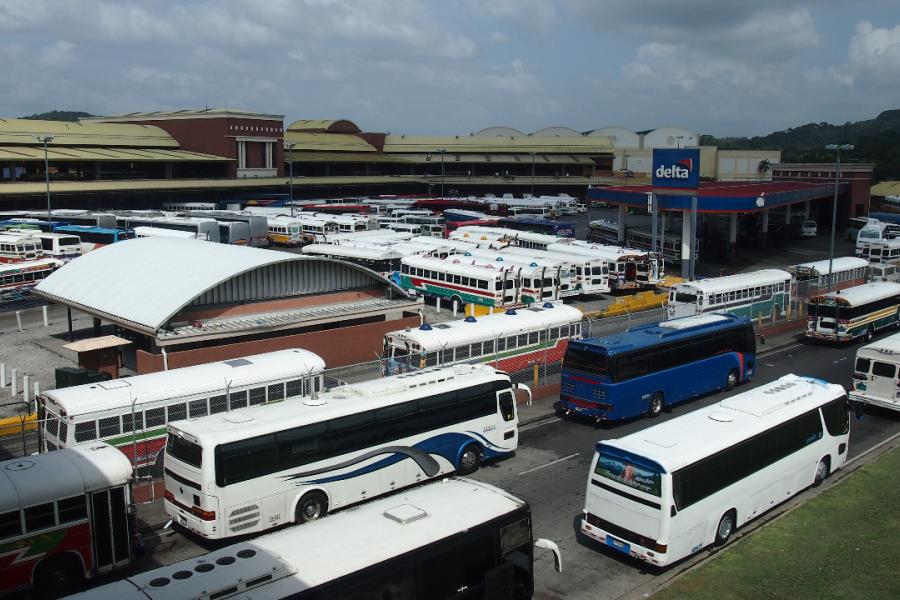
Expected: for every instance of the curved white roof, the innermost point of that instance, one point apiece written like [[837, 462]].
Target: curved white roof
[[489, 327], [144, 282], [349, 251], [861, 294], [603, 251], [210, 378], [67, 472], [556, 132], [840, 263], [499, 132], [620, 137], [715, 285]]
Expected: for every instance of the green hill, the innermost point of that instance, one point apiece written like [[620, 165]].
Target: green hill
[[60, 115], [875, 140]]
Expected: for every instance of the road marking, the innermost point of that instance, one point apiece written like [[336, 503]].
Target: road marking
[[541, 424], [553, 462], [781, 350]]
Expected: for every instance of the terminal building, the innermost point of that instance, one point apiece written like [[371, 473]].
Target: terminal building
[[229, 301]]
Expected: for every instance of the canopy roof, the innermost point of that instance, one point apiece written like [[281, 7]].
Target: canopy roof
[[328, 142], [143, 283], [23, 131]]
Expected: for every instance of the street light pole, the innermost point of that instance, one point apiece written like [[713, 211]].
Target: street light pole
[[837, 178], [290, 148], [678, 139], [532, 174], [442, 151], [46, 139]]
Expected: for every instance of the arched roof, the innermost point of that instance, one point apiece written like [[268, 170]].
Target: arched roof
[[22, 131], [325, 125], [499, 132], [620, 136], [145, 282], [670, 137], [555, 131]]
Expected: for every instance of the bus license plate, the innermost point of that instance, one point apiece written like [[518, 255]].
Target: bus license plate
[[617, 544]]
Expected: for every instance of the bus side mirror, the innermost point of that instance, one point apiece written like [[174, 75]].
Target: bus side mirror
[[552, 547]]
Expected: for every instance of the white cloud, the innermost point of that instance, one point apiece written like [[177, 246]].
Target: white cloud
[[875, 47]]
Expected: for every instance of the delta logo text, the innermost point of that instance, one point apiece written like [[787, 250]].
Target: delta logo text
[[676, 168]]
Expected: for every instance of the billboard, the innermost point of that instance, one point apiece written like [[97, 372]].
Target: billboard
[[676, 169]]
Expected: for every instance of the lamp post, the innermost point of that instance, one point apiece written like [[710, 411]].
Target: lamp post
[[290, 148], [46, 139], [442, 151], [837, 178], [532, 174], [678, 139]]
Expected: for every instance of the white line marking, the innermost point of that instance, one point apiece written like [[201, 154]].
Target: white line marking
[[780, 350], [872, 449], [550, 463], [541, 424]]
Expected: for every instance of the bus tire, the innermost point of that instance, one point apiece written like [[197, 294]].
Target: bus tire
[[459, 301], [57, 577], [726, 527], [656, 405], [732, 380], [469, 460], [823, 470], [869, 334], [312, 506]]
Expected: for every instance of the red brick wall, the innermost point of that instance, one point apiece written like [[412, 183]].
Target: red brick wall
[[337, 347]]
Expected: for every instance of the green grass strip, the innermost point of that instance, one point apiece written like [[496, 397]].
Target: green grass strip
[[842, 544]]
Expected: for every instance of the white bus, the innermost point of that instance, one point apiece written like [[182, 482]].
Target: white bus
[[591, 273], [765, 292], [287, 231], [542, 280], [189, 206], [857, 312], [64, 517], [238, 473], [142, 231], [668, 242], [132, 413], [381, 260], [431, 225], [875, 376], [202, 229], [881, 251], [455, 539], [509, 341], [874, 231], [669, 491], [846, 271], [461, 281], [344, 222], [404, 227], [19, 247], [629, 268], [64, 247]]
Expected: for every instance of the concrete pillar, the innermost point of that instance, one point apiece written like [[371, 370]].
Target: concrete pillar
[[14, 383], [437, 305], [46, 318], [623, 212], [765, 221], [806, 209], [685, 244], [2, 375], [96, 327], [732, 232], [787, 215], [26, 388]]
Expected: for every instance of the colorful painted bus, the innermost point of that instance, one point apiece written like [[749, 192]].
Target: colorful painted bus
[[650, 367], [17, 279], [509, 341], [383, 261], [131, 414], [766, 292], [16, 247], [461, 281], [65, 517], [542, 279], [852, 313], [846, 271]]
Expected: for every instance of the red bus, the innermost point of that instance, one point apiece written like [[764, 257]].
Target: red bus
[[439, 205], [65, 516], [340, 209]]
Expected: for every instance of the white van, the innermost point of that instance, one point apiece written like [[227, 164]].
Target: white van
[[875, 379], [809, 228]]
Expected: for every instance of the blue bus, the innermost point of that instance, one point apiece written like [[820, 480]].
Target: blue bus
[[537, 225], [655, 366], [96, 237]]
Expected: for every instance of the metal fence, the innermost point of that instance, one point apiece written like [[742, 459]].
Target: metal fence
[[19, 435]]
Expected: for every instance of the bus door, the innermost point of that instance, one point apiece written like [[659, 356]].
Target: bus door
[[506, 405], [882, 380], [110, 526], [630, 271]]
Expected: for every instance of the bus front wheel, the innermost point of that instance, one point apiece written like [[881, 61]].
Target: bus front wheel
[[732, 380], [726, 527], [56, 578], [311, 506], [822, 471], [656, 405], [870, 333], [470, 460]]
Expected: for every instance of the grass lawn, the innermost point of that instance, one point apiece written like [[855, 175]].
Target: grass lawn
[[843, 544]]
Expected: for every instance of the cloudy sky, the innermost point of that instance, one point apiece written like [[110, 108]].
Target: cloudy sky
[[723, 67]]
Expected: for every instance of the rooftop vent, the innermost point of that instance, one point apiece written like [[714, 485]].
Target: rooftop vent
[[238, 362], [405, 513]]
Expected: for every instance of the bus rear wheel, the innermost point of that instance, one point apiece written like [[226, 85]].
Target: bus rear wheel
[[726, 527], [311, 506], [656, 405], [56, 578], [470, 460], [732, 380], [823, 469], [869, 334]]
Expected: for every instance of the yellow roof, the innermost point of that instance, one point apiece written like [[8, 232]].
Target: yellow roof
[[328, 142], [92, 154], [579, 144], [340, 125], [306, 156], [492, 158], [23, 131], [200, 113], [886, 188]]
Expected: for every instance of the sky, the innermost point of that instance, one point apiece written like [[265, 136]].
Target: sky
[[419, 67]]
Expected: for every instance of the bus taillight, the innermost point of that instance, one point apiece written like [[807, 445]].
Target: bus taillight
[[205, 515]]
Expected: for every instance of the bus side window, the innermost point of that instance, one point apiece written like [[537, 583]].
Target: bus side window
[[507, 406], [109, 426], [257, 396], [86, 431], [10, 524], [197, 408], [294, 388]]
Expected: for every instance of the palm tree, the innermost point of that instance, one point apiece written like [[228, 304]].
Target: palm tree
[[764, 167]]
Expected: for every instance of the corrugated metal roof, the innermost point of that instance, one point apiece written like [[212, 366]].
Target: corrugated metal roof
[[69, 154], [353, 157], [329, 142], [580, 144], [344, 125], [22, 131], [886, 188], [209, 113], [144, 282]]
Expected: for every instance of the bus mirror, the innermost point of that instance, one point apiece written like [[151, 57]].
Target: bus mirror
[[673, 511], [552, 547]]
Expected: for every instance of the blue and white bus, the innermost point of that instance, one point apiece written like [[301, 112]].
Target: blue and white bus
[[96, 237], [537, 225], [654, 366]]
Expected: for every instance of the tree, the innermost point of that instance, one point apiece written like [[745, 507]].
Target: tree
[[764, 167]]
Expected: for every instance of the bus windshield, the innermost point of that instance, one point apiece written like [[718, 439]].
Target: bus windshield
[[686, 298], [185, 451], [586, 361], [622, 470]]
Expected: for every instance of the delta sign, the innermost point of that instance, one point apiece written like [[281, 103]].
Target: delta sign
[[676, 169]]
